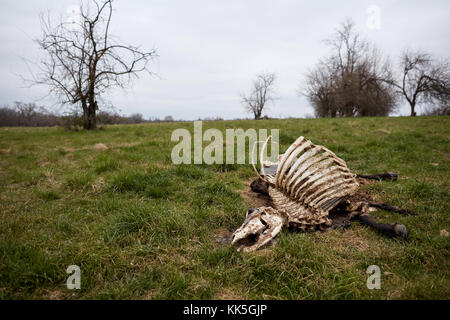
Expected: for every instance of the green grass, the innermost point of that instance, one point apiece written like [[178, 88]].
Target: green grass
[[142, 228]]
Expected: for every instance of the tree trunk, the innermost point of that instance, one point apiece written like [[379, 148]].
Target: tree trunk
[[413, 107], [90, 121], [89, 117]]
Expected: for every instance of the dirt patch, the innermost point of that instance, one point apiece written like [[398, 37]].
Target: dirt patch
[[253, 199], [5, 151], [385, 131], [100, 146]]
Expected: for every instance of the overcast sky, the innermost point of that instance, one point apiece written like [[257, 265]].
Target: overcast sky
[[210, 50]]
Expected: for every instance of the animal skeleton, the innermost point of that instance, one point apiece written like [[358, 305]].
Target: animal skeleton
[[308, 186]]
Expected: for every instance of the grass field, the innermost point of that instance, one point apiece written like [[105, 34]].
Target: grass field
[[142, 228]]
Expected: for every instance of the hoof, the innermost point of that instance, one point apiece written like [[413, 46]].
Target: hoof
[[401, 231]]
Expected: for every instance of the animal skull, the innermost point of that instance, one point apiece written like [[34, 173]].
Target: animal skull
[[260, 227]]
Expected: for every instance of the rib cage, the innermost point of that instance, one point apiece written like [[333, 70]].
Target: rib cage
[[304, 185], [299, 216], [309, 182]]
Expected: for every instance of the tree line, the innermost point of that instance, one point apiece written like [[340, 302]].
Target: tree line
[[356, 80], [23, 114]]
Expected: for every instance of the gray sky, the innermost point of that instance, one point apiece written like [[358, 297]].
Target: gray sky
[[211, 50]]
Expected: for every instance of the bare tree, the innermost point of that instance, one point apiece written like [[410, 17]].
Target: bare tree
[[347, 83], [83, 60], [423, 80], [137, 118], [261, 94], [26, 112]]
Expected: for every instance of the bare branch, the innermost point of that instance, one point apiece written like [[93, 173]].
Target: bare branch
[[84, 61]]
